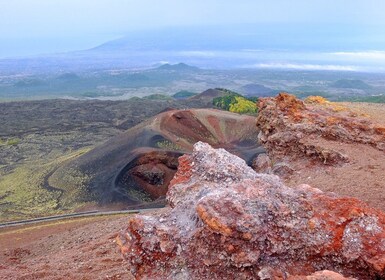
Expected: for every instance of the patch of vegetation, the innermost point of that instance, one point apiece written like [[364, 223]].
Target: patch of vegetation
[[29, 192], [236, 103], [26, 196], [168, 145], [183, 94], [243, 106], [75, 185], [9, 142], [157, 97], [137, 194]]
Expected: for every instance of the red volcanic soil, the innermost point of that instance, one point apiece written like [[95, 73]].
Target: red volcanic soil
[[216, 127], [70, 249]]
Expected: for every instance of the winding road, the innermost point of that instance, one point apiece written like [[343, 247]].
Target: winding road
[[73, 215]]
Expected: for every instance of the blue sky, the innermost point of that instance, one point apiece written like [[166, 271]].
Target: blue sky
[[44, 26]]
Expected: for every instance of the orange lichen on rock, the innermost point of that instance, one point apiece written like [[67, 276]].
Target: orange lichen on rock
[[323, 101], [316, 100], [225, 221], [212, 222], [184, 171]]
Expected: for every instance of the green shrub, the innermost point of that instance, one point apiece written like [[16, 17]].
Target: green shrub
[[168, 145], [236, 103], [9, 142]]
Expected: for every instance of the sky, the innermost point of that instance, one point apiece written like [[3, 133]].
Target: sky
[[29, 27]]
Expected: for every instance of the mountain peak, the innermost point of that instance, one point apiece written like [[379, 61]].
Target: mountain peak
[[178, 67]]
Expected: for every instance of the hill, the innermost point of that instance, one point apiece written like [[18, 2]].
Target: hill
[[257, 90], [178, 67], [236, 103], [210, 94]]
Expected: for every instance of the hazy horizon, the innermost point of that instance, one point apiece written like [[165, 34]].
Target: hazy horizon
[[299, 34]]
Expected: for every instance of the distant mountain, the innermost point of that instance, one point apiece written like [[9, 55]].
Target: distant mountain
[[257, 90], [178, 67], [352, 84], [242, 37]]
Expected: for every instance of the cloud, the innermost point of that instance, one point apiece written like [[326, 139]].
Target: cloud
[[314, 67], [375, 55]]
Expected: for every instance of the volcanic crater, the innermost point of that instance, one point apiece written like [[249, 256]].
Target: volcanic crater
[[135, 168]]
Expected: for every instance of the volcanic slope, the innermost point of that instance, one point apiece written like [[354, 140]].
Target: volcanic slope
[[135, 167]]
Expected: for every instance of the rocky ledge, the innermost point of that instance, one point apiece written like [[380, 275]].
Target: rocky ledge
[[291, 128], [225, 221]]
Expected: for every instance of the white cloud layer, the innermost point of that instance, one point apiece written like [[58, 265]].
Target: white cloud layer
[[314, 67], [373, 55]]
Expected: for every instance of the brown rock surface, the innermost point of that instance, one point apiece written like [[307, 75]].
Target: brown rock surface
[[227, 222], [288, 127], [336, 147], [262, 164]]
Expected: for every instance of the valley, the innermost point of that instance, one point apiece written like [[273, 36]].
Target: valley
[[169, 79]]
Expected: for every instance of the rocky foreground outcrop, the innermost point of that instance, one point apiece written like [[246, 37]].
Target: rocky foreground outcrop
[[330, 146], [292, 128], [225, 221]]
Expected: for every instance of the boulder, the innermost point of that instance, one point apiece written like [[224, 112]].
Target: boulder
[[225, 221]]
